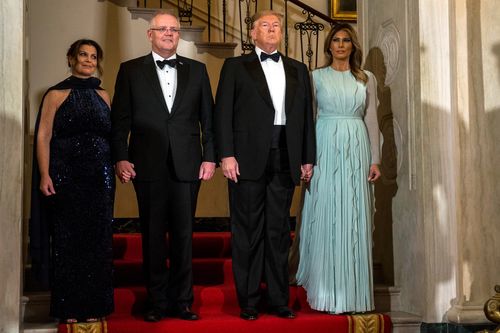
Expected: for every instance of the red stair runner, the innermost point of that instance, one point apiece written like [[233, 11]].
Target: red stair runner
[[215, 297]]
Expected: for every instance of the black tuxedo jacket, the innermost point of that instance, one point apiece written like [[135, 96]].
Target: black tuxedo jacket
[[244, 116], [139, 108]]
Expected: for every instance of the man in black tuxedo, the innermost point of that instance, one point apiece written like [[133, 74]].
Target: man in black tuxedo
[[265, 138], [163, 100]]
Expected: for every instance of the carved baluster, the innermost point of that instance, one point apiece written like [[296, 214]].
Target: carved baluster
[[224, 20], [309, 28], [185, 10], [246, 43], [285, 26], [209, 9]]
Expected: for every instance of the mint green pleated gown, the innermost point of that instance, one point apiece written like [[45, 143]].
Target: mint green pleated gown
[[335, 264]]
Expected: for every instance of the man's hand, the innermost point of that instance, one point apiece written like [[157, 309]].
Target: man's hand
[[125, 171], [306, 172], [230, 168], [207, 170]]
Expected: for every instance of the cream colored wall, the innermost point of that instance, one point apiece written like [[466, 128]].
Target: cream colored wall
[[55, 24], [446, 207]]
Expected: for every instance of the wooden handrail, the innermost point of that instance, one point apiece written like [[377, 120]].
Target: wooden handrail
[[313, 11]]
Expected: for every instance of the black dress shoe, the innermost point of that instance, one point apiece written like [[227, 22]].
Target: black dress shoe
[[154, 315], [185, 313], [249, 313], [284, 312]]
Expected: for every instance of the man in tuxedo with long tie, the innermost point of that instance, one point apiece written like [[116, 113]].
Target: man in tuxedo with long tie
[[265, 138], [164, 101]]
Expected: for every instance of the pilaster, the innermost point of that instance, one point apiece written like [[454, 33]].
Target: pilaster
[[11, 161]]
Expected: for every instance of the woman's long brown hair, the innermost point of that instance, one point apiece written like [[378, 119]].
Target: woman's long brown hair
[[356, 57]]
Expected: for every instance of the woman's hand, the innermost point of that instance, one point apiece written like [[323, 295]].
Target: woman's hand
[[374, 173], [306, 172], [46, 186], [125, 171]]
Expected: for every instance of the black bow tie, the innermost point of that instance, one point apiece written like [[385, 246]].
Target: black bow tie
[[275, 56], [171, 62]]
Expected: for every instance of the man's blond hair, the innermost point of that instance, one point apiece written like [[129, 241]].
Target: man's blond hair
[[266, 12]]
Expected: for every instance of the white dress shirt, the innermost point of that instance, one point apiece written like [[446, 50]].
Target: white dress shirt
[[168, 79], [276, 82]]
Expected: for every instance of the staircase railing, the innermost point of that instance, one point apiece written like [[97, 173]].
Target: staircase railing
[[185, 10], [306, 31]]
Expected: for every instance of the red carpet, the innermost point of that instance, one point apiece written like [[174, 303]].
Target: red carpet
[[215, 297]]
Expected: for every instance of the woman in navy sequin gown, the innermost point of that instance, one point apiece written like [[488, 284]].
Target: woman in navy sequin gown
[[75, 177]]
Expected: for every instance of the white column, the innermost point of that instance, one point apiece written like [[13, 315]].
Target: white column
[[11, 161], [476, 67], [437, 161]]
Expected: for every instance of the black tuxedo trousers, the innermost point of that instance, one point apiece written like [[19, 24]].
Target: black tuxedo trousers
[[167, 207], [261, 232]]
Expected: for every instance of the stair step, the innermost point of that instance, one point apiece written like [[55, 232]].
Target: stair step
[[217, 49], [143, 13], [208, 299], [37, 307], [404, 322], [192, 33], [206, 271], [387, 298], [130, 299], [40, 327], [205, 245]]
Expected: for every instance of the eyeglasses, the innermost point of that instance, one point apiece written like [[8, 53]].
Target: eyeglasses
[[162, 30]]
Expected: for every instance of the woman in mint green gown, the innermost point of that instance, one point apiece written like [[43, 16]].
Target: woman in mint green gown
[[335, 264]]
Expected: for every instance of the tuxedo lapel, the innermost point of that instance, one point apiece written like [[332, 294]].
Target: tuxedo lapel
[[151, 74], [254, 68], [291, 83], [182, 82]]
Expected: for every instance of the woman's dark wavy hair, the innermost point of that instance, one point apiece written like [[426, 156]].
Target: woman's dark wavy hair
[[75, 47], [356, 57]]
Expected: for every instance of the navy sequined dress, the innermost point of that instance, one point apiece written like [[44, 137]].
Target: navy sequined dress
[[79, 215]]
